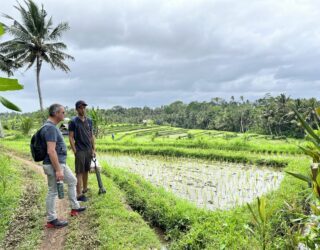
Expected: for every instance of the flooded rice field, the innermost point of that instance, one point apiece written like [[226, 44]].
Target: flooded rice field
[[211, 185]]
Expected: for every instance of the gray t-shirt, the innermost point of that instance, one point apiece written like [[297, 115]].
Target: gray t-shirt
[[51, 133]]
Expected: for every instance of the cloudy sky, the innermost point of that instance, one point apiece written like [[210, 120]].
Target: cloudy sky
[[154, 52]]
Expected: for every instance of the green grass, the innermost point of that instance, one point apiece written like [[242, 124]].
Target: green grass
[[9, 193], [110, 223], [21, 205]]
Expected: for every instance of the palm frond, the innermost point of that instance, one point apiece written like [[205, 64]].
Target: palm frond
[[7, 65], [36, 17], [57, 31], [26, 18], [31, 59], [55, 46]]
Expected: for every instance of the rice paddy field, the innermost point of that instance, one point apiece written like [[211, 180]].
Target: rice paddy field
[[210, 185], [193, 185]]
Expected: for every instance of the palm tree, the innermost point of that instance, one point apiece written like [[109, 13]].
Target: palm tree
[[35, 41], [7, 65]]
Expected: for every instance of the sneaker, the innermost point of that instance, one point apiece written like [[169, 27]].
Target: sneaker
[[56, 223], [82, 198], [75, 212]]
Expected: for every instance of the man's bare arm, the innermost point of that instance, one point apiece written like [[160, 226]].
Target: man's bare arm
[[72, 142]]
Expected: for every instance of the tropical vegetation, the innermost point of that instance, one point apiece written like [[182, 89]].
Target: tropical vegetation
[[35, 41]]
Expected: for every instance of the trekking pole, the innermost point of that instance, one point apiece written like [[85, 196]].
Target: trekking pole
[[102, 190]]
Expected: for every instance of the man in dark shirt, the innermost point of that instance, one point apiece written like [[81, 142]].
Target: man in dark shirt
[[54, 166], [82, 143]]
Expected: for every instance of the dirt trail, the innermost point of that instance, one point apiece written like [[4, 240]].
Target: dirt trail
[[52, 238]]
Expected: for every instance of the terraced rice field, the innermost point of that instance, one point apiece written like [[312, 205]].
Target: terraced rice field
[[212, 185]]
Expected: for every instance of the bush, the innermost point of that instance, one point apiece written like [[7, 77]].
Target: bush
[[26, 125]]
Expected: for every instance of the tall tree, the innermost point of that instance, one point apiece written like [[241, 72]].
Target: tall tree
[[7, 84], [35, 40]]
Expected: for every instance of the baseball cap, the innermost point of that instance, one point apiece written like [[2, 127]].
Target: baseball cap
[[81, 103]]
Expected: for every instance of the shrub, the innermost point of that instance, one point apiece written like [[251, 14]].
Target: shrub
[[26, 125]]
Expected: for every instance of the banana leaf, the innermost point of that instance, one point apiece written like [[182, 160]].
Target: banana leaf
[[9, 84], [1, 30], [9, 104]]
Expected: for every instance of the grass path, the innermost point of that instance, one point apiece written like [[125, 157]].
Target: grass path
[[51, 239]]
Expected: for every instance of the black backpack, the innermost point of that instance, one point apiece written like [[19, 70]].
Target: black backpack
[[38, 146]]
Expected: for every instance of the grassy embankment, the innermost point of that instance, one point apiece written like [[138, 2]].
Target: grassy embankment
[[22, 192]]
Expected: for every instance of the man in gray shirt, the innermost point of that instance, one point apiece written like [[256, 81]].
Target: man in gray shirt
[[54, 166]]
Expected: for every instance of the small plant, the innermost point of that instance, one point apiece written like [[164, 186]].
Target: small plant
[[5, 126], [312, 222], [190, 136], [260, 222], [98, 120], [4, 178]]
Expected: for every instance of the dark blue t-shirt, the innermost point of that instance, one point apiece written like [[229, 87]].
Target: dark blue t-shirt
[[82, 133], [50, 133]]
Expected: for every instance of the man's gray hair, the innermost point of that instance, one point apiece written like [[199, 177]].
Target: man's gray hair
[[54, 108]]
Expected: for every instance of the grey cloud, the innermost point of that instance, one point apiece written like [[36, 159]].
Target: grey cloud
[[137, 53]]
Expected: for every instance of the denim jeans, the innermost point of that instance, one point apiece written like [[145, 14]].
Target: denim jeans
[[68, 179]]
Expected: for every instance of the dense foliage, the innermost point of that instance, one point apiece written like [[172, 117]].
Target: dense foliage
[[268, 115]]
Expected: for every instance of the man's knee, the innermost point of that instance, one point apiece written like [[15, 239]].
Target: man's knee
[[72, 181], [52, 191]]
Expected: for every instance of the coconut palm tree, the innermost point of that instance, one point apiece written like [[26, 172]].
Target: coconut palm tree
[[35, 41]]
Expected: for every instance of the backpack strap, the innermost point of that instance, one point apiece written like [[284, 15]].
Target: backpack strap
[[44, 125]]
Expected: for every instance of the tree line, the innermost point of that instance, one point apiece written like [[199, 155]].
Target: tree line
[[271, 115]]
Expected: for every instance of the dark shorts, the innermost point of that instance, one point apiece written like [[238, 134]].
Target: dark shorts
[[83, 161]]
